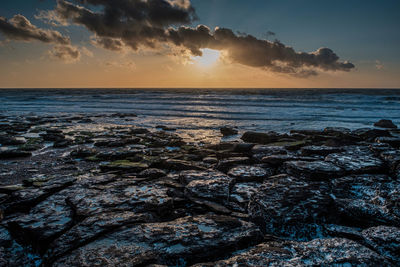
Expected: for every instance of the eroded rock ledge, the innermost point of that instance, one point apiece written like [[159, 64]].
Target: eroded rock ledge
[[127, 196]]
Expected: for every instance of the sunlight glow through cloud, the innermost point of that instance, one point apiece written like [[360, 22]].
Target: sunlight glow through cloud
[[208, 59]]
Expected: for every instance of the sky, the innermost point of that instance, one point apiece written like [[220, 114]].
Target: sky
[[200, 43]]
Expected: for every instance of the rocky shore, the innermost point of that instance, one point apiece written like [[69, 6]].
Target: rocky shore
[[129, 196]]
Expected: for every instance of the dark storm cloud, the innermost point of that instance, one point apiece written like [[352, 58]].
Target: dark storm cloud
[[152, 23], [66, 53], [19, 28]]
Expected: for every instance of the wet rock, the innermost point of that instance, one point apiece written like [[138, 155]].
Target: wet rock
[[7, 189], [385, 124], [290, 207], [120, 196], [91, 228], [391, 158], [83, 152], [152, 173], [250, 173], [356, 161], [370, 134], [385, 240], [393, 141], [353, 233], [13, 154], [62, 143], [226, 164], [319, 150], [243, 147], [180, 165], [306, 132], [277, 160], [138, 131], [366, 200], [265, 150], [210, 160], [241, 194], [184, 241], [14, 254], [110, 143], [260, 138], [165, 128], [52, 137], [337, 131], [316, 170], [44, 222], [227, 131], [11, 141], [318, 252], [124, 166], [23, 200], [188, 176], [216, 189]]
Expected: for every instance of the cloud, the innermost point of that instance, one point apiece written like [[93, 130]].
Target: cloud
[[19, 28], [157, 24], [109, 43], [66, 53], [129, 65], [50, 17]]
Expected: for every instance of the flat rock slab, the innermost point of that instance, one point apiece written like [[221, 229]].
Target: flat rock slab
[[241, 194], [316, 170], [92, 228], [385, 240], [356, 161], [120, 196], [278, 160], [44, 222], [393, 141], [318, 252], [290, 207], [250, 173], [319, 150], [367, 200], [188, 176], [226, 164], [184, 241], [217, 189]]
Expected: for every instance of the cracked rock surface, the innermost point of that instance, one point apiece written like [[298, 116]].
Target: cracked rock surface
[[126, 196]]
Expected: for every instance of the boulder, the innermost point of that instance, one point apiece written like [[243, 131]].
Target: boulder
[[260, 138], [385, 124], [227, 131]]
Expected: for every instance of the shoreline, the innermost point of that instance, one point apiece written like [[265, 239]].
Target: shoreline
[[68, 196]]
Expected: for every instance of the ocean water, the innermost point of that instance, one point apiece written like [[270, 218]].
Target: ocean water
[[199, 113]]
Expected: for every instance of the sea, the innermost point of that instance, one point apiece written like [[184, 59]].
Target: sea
[[198, 114]]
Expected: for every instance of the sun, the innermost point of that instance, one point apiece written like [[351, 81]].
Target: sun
[[208, 59]]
